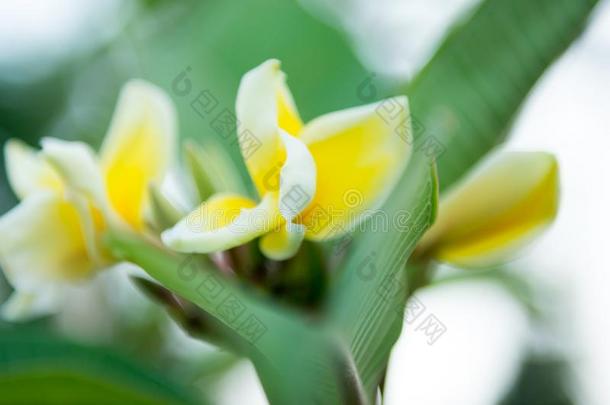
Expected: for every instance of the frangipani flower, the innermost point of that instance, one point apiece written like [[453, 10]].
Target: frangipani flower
[[499, 208], [69, 197], [304, 174]]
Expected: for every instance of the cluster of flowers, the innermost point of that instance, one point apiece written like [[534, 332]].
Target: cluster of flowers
[[70, 195]]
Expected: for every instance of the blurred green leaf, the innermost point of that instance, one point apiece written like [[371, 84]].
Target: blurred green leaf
[[26, 111], [164, 213], [199, 171], [543, 380], [39, 369], [211, 170], [467, 95]]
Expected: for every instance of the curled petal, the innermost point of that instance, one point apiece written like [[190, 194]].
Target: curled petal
[[284, 242], [77, 165], [27, 172], [297, 188], [264, 106], [297, 178], [223, 222], [495, 211], [138, 148], [359, 154]]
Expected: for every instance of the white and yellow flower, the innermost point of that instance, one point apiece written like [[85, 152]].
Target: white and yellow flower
[[303, 173], [495, 211], [69, 196]]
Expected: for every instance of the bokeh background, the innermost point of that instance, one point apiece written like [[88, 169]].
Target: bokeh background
[[62, 63]]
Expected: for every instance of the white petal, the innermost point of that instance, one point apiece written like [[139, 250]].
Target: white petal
[[24, 306], [297, 178], [78, 166], [264, 106], [194, 234], [26, 171], [42, 244]]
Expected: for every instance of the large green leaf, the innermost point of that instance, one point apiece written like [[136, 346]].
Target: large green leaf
[[39, 369], [466, 97], [368, 299]]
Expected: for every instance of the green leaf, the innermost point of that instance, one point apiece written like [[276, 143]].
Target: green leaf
[[299, 360], [368, 299], [198, 171], [467, 95], [37, 368]]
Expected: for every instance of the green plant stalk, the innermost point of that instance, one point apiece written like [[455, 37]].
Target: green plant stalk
[[297, 359]]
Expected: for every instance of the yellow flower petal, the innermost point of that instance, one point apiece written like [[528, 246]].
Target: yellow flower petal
[[223, 222], [497, 209], [284, 242], [138, 148], [42, 241], [26, 171], [79, 170], [359, 157], [264, 106]]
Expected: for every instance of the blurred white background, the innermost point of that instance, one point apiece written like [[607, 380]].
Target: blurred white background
[[487, 332], [50, 30]]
